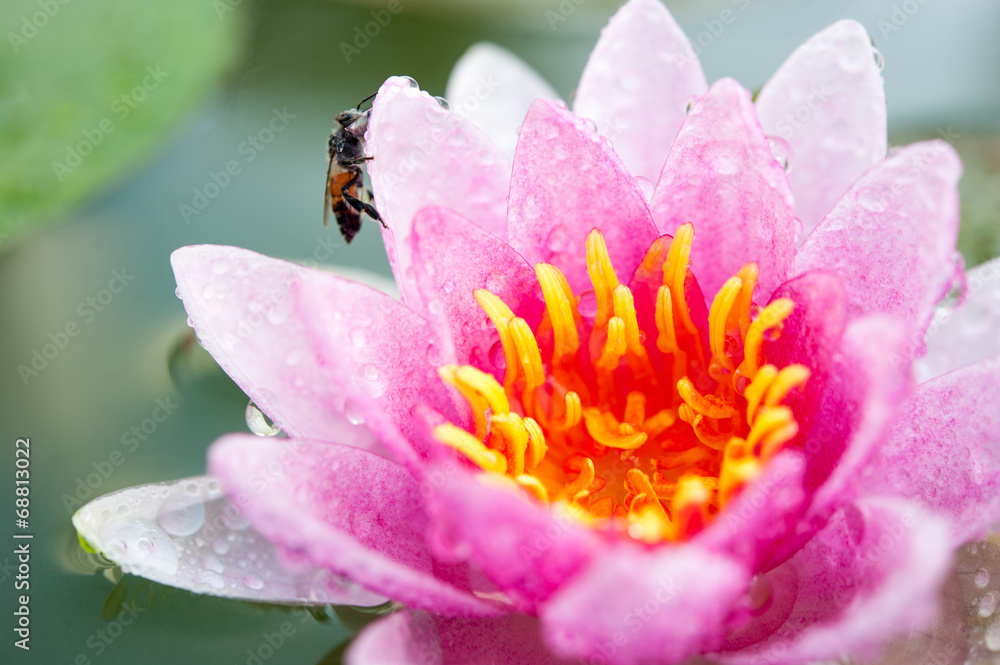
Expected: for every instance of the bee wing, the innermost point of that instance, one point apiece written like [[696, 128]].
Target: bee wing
[[327, 197]]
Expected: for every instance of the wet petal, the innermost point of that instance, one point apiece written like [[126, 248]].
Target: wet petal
[[244, 308], [493, 88], [891, 237], [346, 510], [721, 176], [828, 103], [637, 84], [969, 333], [567, 181], [186, 534], [422, 154]]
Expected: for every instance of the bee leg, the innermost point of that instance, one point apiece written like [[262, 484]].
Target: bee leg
[[358, 204]]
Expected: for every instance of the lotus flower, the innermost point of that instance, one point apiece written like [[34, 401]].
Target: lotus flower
[[612, 421]]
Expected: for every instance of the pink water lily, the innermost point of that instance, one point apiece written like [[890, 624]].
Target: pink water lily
[[613, 421]]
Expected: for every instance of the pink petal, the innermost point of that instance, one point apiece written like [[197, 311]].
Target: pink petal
[[526, 549], [637, 84], [424, 154], [636, 605], [827, 102], [493, 88], [567, 181], [347, 510], [721, 176], [416, 638], [244, 308], [970, 333], [943, 452], [891, 237], [452, 258], [874, 572]]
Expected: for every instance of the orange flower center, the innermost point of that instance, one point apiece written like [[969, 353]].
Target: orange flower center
[[650, 437]]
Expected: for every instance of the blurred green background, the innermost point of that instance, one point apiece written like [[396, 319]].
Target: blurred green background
[[183, 85]]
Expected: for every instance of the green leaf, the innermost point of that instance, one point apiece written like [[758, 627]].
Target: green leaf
[[89, 89]]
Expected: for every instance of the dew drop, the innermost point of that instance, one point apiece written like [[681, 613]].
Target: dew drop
[[359, 339], [177, 292], [448, 286], [443, 103], [210, 578], [497, 357], [294, 357], [181, 514], [495, 281], [879, 59], [587, 304], [376, 382], [646, 186], [781, 152], [988, 604], [353, 412], [219, 267], [433, 355], [213, 563], [435, 307], [253, 581], [258, 423], [690, 104], [992, 635], [982, 578], [221, 545], [558, 238], [411, 81]]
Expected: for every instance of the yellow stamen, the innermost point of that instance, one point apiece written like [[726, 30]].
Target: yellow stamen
[[501, 316], [758, 388], [615, 346], [793, 376], [485, 385], [708, 405], [675, 271], [711, 438], [510, 428], [528, 356], [606, 430], [577, 489], [635, 408], [645, 494], [772, 316], [748, 274], [689, 505], [659, 422], [666, 342], [478, 404], [572, 412], [738, 469], [536, 444], [625, 310], [533, 486], [769, 419], [602, 275], [561, 306], [718, 317], [467, 444]]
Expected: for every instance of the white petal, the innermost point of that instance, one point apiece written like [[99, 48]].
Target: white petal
[[493, 88], [186, 534]]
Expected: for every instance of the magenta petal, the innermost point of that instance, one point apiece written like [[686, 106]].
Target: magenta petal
[[874, 572], [452, 258], [634, 605], [416, 638], [345, 509], [891, 237], [422, 154], [244, 308], [567, 181], [943, 452], [969, 333], [526, 549], [637, 83], [828, 103], [721, 176]]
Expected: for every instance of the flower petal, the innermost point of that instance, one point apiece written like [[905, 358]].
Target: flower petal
[[567, 181], [416, 638], [828, 103], [891, 237], [186, 534], [634, 605], [421, 156], [452, 258], [873, 572], [944, 451], [637, 84], [969, 333], [346, 510], [243, 307], [493, 88], [721, 176]]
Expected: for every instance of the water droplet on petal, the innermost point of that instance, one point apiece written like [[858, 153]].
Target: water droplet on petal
[[353, 412], [495, 281], [448, 286], [433, 355], [374, 380], [992, 635], [258, 423], [587, 304], [781, 152], [435, 307], [497, 358], [646, 186], [411, 81], [982, 578], [213, 563], [359, 339], [443, 103], [221, 545], [177, 292], [558, 238], [253, 581], [181, 514], [219, 267], [879, 59], [988, 604]]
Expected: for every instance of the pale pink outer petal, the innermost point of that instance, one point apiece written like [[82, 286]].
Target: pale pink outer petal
[[416, 638], [635, 605], [891, 237], [352, 512], [944, 451], [493, 88], [828, 103], [566, 181], [873, 573], [721, 176], [424, 154], [637, 84], [452, 258], [969, 333], [245, 310]]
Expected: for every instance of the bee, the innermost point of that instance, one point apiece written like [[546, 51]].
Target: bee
[[345, 185]]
